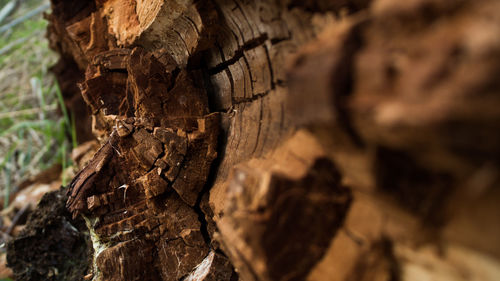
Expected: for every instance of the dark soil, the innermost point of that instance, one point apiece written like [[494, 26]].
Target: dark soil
[[52, 246]]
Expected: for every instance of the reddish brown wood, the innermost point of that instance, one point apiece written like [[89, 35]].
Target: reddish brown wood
[[287, 140]]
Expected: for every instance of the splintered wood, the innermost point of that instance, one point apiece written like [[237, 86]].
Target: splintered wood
[[150, 68], [286, 140], [145, 180]]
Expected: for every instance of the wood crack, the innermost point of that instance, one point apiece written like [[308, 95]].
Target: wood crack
[[239, 53]]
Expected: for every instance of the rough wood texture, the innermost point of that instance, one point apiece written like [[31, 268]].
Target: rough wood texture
[[405, 99], [288, 140]]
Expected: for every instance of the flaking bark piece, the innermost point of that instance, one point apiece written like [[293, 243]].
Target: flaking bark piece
[[83, 183]]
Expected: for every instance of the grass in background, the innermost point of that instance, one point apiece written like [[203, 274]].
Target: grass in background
[[33, 134]]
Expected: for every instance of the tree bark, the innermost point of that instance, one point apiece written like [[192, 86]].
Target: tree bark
[[287, 140]]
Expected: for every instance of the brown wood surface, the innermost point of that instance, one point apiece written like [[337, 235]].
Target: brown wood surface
[[287, 140]]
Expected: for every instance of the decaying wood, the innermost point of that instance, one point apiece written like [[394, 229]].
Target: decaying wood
[[137, 183], [408, 119], [285, 193], [287, 140], [83, 182]]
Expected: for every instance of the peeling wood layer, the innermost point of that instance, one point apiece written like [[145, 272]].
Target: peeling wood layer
[[287, 140]]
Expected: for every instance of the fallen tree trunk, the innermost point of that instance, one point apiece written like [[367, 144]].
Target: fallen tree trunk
[[287, 140]]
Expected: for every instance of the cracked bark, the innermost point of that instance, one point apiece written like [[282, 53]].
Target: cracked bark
[[286, 140]]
